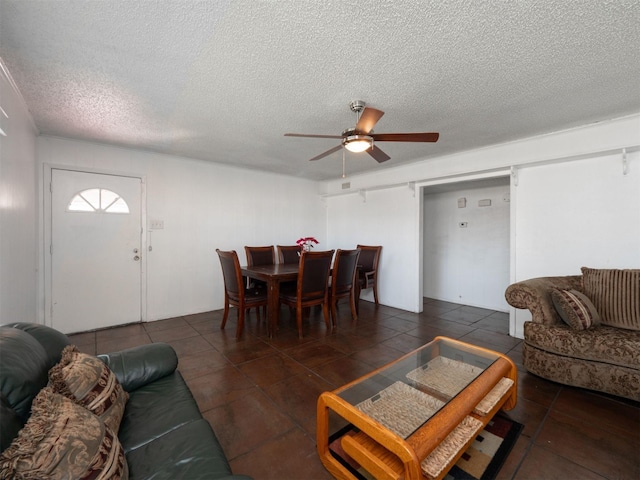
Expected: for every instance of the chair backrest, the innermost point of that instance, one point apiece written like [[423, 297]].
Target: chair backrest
[[313, 274], [288, 253], [344, 270], [231, 273], [369, 257], [260, 255]]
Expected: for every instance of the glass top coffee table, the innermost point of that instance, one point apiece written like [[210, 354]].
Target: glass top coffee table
[[414, 417]]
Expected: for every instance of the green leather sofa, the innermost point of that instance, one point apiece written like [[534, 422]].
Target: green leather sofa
[[163, 434]]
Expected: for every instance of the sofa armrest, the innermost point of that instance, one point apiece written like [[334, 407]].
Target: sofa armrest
[[138, 366], [534, 295]]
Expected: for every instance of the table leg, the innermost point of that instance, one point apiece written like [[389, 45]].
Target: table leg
[[273, 286]]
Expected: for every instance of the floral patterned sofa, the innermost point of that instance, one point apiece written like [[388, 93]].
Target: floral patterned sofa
[[584, 330]]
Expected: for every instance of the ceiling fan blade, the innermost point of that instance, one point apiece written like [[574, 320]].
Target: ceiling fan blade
[[378, 154], [368, 119], [311, 136], [328, 152], [406, 137]]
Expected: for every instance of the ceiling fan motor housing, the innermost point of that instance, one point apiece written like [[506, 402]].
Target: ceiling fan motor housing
[[357, 106]]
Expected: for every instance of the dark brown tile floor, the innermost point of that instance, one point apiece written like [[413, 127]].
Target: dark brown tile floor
[[260, 394]]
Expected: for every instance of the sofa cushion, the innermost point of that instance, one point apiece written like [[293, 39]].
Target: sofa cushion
[[615, 294], [88, 381], [51, 340], [191, 451], [602, 344], [11, 423], [156, 409], [575, 309], [23, 371], [63, 440]]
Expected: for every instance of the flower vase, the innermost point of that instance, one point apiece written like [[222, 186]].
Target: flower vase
[[304, 248]]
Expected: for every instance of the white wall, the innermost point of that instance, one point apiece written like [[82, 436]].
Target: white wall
[[204, 206], [387, 218], [574, 214], [467, 265], [18, 213]]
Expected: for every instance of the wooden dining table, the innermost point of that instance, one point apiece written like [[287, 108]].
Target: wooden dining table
[[273, 276]]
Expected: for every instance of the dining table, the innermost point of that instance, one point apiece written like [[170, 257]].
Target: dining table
[[273, 276]]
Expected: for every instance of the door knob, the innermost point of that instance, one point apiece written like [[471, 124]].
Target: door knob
[[136, 258]]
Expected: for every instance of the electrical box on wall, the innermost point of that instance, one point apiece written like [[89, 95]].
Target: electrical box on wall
[[156, 224], [484, 203], [462, 202]]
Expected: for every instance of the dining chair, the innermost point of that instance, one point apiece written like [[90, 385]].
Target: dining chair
[[368, 271], [343, 282], [235, 291], [288, 253], [311, 288], [259, 256]]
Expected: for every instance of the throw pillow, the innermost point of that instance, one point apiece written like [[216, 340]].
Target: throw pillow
[[63, 440], [616, 295], [575, 309], [87, 381]]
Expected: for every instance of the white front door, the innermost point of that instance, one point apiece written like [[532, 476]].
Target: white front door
[[96, 250]]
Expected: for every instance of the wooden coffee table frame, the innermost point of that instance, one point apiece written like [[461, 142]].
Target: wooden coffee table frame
[[386, 455]]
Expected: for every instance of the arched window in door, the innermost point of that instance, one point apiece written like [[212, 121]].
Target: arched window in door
[[98, 200]]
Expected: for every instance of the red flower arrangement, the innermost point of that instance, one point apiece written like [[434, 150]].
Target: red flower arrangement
[[306, 243]]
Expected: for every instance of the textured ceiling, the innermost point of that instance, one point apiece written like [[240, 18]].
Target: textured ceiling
[[224, 80]]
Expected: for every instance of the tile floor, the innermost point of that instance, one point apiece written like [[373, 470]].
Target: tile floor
[[259, 394]]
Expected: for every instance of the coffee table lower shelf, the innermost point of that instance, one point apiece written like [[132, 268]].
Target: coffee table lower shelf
[[355, 448]]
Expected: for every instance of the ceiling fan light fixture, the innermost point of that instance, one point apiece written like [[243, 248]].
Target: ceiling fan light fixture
[[358, 143]]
